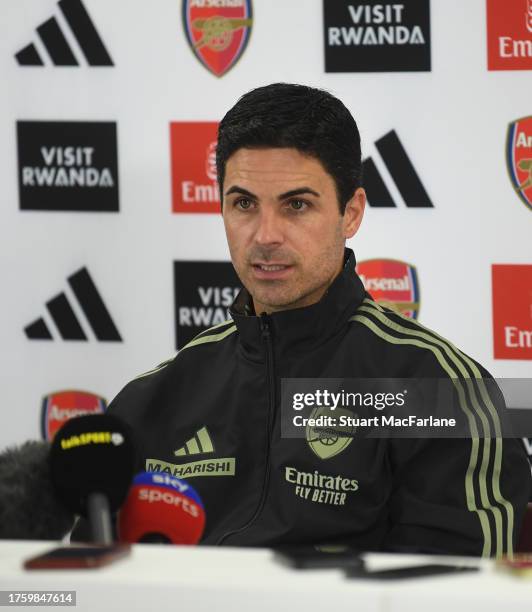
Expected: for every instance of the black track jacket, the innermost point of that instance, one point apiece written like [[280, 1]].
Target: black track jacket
[[211, 415]]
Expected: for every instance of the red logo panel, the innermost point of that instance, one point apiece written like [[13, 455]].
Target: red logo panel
[[193, 161], [392, 283], [509, 34], [61, 406], [512, 311], [217, 31]]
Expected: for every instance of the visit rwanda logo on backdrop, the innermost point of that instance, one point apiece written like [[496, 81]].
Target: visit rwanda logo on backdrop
[[519, 158], [217, 31], [203, 293], [387, 36]]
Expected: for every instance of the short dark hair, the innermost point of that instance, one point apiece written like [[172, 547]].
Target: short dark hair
[[284, 115]]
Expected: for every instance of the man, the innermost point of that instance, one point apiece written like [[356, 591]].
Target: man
[[289, 170]]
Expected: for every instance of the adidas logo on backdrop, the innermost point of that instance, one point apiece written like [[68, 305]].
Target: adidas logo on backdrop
[[66, 38], [402, 172], [90, 307]]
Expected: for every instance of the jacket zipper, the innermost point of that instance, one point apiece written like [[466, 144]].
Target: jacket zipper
[[267, 339]]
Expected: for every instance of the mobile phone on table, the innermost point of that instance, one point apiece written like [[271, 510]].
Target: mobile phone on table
[[413, 571], [78, 557], [318, 557]]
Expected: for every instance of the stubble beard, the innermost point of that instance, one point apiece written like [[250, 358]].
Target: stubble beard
[[297, 293], [308, 288]]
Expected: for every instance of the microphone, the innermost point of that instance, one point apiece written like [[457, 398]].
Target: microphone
[[29, 509], [161, 509], [93, 460]]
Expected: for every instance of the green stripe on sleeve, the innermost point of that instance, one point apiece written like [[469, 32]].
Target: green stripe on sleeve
[[455, 355], [161, 366], [213, 338], [469, 489]]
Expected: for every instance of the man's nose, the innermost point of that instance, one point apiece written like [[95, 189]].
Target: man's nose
[[270, 227]]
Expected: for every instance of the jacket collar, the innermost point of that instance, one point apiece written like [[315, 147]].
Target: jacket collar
[[301, 329]]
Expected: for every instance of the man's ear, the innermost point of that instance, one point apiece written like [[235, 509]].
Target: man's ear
[[354, 211]]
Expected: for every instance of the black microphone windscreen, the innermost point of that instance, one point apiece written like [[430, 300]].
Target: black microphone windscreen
[[93, 454], [29, 508]]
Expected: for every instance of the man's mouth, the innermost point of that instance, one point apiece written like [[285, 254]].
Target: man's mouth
[[270, 267], [271, 271]]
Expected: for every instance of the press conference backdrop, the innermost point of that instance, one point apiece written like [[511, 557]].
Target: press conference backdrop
[[112, 245]]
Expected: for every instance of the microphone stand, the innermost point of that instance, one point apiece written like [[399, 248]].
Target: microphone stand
[[100, 518]]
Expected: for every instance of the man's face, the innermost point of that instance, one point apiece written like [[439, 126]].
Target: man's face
[[284, 228]]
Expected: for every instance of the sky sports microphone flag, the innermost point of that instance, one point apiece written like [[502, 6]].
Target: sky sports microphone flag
[[93, 460], [161, 509]]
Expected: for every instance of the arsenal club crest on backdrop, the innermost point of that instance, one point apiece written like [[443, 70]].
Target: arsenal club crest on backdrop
[[61, 406], [519, 158], [392, 283], [217, 31]]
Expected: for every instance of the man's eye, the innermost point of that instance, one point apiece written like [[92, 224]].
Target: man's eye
[[298, 204], [243, 203]]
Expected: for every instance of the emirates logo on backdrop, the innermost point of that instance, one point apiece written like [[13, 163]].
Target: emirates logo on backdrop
[[512, 311], [509, 25], [193, 151]]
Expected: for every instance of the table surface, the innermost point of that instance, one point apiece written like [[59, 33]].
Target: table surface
[[211, 578]]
